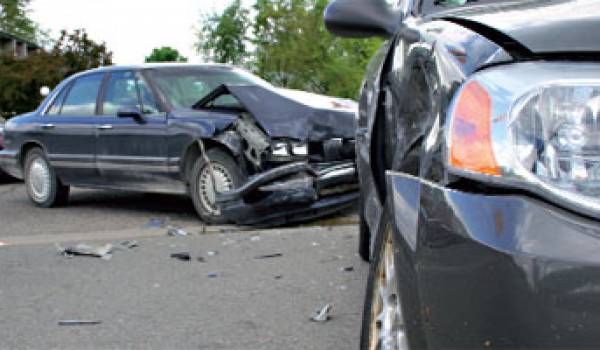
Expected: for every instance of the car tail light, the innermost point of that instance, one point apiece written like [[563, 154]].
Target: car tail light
[[534, 126]]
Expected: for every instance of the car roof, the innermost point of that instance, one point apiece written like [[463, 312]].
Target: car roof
[[207, 66]]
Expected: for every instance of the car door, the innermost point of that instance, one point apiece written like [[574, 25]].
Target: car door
[[68, 130], [131, 152]]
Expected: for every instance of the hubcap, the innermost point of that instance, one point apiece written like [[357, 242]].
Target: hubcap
[[387, 329], [39, 180], [222, 182]]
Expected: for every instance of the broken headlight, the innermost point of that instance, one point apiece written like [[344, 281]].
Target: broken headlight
[[287, 151], [280, 149], [535, 126]]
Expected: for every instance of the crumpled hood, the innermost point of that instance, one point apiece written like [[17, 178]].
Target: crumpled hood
[[294, 114], [541, 26]]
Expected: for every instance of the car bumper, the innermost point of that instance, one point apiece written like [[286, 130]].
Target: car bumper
[[290, 193], [499, 270], [9, 163]]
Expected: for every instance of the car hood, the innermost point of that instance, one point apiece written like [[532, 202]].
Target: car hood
[[284, 113], [547, 26]]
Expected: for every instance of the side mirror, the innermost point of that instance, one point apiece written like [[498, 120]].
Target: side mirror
[[131, 112], [362, 18]]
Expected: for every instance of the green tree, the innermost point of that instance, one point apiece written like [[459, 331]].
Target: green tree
[[293, 49], [80, 53], [223, 38], [165, 54], [21, 79], [14, 19]]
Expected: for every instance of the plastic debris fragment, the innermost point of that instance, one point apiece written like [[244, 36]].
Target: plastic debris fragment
[[155, 223], [130, 244], [182, 256], [347, 269], [212, 253], [79, 322], [213, 275], [103, 252], [268, 256], [322, 315], [174, 231]]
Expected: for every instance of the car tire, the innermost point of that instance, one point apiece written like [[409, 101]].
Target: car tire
[[404, 291], [43, 186], [364, 234], [228, 175]]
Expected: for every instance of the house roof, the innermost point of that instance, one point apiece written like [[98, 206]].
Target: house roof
[[7, 35]]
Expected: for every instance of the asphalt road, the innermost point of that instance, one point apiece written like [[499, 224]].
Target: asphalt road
[[145, 299]]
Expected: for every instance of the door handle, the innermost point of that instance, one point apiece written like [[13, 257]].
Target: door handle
[[48, 126], [105, 127]]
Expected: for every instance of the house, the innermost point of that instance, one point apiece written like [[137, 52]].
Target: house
[[18, 47]]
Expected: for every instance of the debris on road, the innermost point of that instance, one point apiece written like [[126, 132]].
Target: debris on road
[[156, 223], [182, 256], [213, 275], [278, 277], [79, 322], [201, 259], [322, 315], [103, 252], [255, 238], [347, 269], [268, 256], [174, 231], [130, 244], [212, 253]]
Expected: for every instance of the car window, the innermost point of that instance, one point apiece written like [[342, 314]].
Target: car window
[[183, 87], [58, 102], [81, 99], [125, 89], [149, 103]]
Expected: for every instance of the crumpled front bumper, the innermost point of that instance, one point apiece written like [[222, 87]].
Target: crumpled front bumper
[[293, 192]]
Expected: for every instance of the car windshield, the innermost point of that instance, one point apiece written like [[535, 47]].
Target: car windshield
[[183, 87]]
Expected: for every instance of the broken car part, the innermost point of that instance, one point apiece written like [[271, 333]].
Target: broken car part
[[322, 315], [103, 252], [79, 322]]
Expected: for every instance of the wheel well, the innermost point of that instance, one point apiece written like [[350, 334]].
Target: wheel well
[[193, 152], [25, 149]]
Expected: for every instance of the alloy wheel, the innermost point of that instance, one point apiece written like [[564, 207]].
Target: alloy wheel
[[387, 330]]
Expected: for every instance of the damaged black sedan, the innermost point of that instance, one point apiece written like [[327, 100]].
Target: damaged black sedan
[[245, 151], [479, 162]]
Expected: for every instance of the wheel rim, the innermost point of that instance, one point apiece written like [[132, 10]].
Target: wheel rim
[[39, 180], [223, 182], [387, 330]]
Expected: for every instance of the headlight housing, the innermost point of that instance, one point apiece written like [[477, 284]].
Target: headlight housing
[[534, 126]]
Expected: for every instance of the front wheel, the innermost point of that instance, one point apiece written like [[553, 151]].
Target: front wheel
[[223, 175], [43, 186]]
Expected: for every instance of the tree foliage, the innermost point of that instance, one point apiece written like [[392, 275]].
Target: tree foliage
[[290, 46], [165, 54], [21, 79], [14, 19], [222, 38]]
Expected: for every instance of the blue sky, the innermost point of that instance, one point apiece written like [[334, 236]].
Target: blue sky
[[131, 28]]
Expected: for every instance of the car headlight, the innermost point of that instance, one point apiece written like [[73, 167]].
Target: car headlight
[[300, 149], [280, 149], [534, 126]]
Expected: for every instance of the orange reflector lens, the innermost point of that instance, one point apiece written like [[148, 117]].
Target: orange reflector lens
[[470, 136]]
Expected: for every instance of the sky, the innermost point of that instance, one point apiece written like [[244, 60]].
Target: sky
[[130, 28]]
